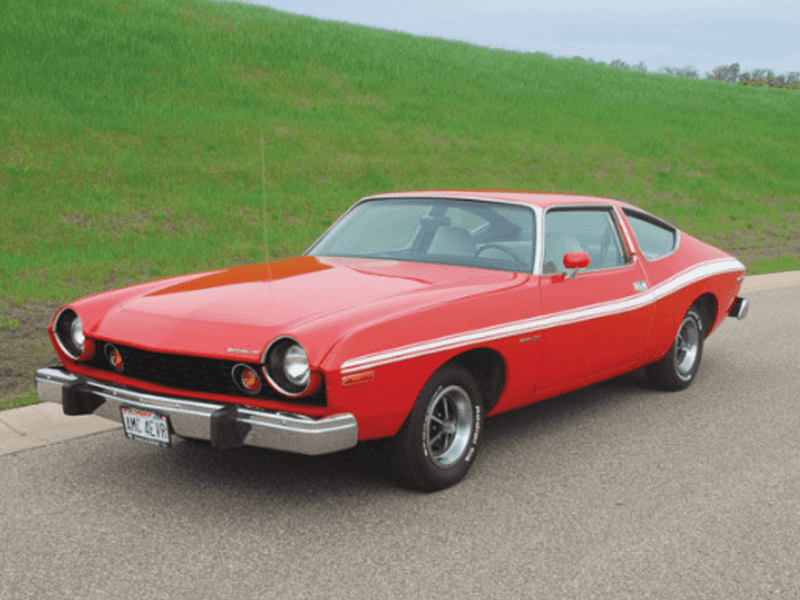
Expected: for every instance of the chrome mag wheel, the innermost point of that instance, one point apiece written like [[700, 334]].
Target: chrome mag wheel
[[687, 347], [438, 443], [678, 368], [448, 425]]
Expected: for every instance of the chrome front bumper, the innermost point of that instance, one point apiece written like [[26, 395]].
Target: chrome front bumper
[[224, 425]]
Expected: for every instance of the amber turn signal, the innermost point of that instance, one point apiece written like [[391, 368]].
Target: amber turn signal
[[357, 378]]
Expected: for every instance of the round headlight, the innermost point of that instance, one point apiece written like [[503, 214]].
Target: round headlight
[[286, 366], [76, 333], [295, 365], [68, 330]]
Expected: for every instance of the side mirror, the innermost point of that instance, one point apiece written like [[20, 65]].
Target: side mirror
[[575, 261]]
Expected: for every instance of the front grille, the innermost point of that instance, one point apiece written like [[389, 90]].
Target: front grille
[[192, 373]]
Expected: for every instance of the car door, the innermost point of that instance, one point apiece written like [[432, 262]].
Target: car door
[[596, 321]]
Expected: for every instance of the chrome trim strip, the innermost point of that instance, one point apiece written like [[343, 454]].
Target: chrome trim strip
[[594, 311], [538, 261], [276, 430], [623, 224]]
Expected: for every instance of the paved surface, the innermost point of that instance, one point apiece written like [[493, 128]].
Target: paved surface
[[45, 423], [617, 491]]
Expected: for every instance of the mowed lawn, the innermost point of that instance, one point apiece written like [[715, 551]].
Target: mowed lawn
[[130, 138]]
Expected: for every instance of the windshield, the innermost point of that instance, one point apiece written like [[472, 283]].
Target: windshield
[[468, 233]]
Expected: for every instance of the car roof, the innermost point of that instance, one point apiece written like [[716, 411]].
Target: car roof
[[540, 199]]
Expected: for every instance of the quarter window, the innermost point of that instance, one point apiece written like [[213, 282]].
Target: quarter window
[[582, 230], [656, 239]]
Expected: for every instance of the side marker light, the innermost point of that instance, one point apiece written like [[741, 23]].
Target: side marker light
[[356, 378]]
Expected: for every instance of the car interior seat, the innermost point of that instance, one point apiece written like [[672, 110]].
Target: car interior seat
[[452, 241]]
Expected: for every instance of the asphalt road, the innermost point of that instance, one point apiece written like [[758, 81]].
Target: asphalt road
[[612, 492]]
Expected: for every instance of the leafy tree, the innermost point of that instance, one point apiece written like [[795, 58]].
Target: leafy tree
[[623, 65], [767, 78], [687, 71], [728, 73], [725, 73]]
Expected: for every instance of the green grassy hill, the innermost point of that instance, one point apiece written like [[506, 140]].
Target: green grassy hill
[[129, 138]]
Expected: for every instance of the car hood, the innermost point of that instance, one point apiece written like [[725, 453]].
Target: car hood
[[236, 312]]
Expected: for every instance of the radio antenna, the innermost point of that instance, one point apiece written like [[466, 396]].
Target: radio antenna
[[264, 204], [264, 197]]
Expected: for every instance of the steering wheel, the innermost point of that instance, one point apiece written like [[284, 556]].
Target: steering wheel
[[517, 262]]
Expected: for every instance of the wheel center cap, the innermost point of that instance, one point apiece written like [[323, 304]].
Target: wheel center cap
[[449, 427]]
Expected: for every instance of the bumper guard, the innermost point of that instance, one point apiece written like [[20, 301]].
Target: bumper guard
[[739, 308]]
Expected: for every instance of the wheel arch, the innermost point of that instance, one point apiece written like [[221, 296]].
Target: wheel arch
[[489, 370], [708, 306]]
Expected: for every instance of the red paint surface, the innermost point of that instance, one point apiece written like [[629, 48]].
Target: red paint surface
[[341, 309]]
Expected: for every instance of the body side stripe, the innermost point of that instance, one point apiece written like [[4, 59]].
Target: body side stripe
[[594, 311]]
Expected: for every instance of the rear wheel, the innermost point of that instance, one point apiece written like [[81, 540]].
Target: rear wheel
[[678, 368], [437, 444]]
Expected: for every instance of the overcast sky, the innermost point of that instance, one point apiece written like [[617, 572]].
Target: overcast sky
[[675, 33]]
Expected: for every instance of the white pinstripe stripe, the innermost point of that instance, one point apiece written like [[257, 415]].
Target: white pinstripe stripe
[[594, 311]]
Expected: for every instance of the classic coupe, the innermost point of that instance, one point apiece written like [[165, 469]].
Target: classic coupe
[[411, 319]]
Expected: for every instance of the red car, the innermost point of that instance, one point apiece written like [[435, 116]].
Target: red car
[[412, 318]]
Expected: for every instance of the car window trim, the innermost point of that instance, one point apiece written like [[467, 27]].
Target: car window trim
[[653, 220], [611, 209], [628, 234], [538, 218]]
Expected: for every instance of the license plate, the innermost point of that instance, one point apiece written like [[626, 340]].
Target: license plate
[[145, 426]]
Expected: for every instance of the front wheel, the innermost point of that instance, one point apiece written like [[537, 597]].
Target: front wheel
[[678, 368], [437, 444]]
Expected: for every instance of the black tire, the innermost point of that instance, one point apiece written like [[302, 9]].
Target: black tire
[[677, 370], [438, 442]]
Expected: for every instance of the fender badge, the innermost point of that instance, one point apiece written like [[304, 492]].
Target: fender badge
[[241, 351]]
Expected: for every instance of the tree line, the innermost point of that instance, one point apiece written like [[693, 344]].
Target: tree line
[[728, 73]]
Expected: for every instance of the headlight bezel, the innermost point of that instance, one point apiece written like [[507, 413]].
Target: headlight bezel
[[69, 333], [275, 369]]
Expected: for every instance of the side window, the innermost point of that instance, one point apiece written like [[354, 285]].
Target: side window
[[591, 230], [656, 239]]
